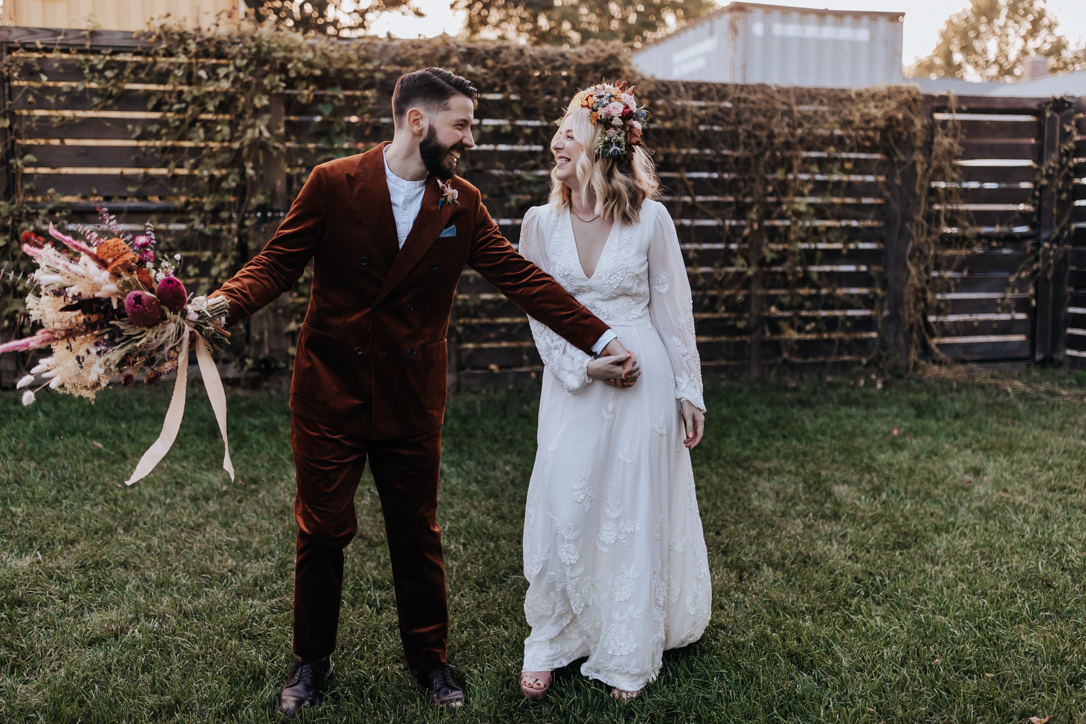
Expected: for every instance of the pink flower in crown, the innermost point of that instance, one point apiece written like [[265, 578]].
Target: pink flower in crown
[[449, 195], [628, 99], [615, 109]]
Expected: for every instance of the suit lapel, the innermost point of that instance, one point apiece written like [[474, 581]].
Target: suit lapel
[[431, 220], [373, 204]]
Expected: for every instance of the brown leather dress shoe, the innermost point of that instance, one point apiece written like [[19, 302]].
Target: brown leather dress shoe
[[443, 688], [303, 685]]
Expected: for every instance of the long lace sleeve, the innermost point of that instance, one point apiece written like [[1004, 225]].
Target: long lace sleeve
[[671, 308], [567, 363]]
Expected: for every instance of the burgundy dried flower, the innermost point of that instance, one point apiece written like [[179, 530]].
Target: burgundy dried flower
[[29, 237], [143, 309], [128, 379], [171, 292], [152, 377], [147, 256]]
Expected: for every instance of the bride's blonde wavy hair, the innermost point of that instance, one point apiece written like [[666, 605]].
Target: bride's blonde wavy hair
[[619, 194]]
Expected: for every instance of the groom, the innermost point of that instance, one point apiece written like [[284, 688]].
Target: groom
[[389, 232]]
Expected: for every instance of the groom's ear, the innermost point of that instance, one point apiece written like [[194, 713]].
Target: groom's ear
[[416, 122]]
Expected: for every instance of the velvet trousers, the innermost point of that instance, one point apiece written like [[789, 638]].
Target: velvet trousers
[[329, 465]]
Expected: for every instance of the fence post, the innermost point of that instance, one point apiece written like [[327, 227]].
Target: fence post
[[7, 149], [1061, 245], [1052, 257], [756, 308], [275, 169], [8, 365], [900, 195], [268, 338]]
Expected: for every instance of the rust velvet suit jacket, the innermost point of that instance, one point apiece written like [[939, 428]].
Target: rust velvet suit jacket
[[371, 357]]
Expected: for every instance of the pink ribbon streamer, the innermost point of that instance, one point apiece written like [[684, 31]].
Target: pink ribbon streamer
[[176, 411]]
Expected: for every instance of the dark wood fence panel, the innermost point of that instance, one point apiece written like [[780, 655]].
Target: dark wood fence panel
[[1076, 308], [999, 295]]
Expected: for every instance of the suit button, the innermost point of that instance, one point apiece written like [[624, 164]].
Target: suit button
[[359, 351], [410, 307], [433, 267], [377, 308], [411, 351], [364, 261]]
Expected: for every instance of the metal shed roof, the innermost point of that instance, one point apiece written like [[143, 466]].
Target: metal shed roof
[[1065, 84]]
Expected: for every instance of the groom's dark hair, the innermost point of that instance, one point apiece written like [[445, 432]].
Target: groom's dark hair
[[431, 88]]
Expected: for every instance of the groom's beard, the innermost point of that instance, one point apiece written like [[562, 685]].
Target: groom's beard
[[435, 157]]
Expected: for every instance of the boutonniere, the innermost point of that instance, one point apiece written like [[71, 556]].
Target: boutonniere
[[448, 194]]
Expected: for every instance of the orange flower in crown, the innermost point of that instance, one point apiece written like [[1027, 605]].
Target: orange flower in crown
[[616, 115]]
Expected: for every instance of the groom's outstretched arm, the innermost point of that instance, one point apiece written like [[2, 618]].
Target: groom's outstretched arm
[[275, 269], [532, 289]]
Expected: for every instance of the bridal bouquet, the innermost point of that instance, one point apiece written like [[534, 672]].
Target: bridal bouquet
[[110, 307]]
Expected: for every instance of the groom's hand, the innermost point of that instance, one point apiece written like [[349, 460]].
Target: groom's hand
[[631, 370]]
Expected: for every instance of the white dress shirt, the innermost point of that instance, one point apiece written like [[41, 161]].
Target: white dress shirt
[[406, 201], [406, 204]]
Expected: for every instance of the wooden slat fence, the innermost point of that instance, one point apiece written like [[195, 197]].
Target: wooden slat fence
[[1000, 293], [1076, 258], [845, 308]]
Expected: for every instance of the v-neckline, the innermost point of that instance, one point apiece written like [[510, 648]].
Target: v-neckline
[[576, 251]]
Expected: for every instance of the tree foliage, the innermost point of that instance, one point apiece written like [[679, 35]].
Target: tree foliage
[[990, 40], [569, 22], [323, 17]]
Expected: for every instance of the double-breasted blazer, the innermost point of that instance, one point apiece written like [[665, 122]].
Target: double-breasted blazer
[[371, 357]]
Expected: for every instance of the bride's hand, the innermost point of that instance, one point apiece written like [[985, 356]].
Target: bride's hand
[[630, 368], [694, 419], [610, 368]]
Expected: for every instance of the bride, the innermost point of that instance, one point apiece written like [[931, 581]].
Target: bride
[[613, 546]]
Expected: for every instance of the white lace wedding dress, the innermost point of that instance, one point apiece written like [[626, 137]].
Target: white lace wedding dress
[[613, 546]]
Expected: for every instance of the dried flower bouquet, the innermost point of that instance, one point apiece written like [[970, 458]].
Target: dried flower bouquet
[[113, 310]]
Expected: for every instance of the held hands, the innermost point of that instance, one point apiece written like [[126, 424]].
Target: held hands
[[694, 422], [616, 366]]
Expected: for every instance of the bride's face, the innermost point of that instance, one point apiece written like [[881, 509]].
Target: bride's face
[[567, 151]]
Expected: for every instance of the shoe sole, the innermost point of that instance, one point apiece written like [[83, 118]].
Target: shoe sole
[[451, 706]]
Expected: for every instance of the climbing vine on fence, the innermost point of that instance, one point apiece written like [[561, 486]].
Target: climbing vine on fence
[[770, 173]]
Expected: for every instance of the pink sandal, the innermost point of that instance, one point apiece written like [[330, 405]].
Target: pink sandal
[[527, 678]]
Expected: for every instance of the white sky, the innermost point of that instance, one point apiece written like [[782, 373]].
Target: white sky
[[923, 19]]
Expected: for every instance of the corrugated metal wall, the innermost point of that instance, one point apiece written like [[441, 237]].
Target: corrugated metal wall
[[112, 14], [781, 46]]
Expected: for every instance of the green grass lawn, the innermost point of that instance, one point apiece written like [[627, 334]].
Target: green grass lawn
[[858, 575]]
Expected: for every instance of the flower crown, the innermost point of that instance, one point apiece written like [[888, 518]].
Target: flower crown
[[617, 117]]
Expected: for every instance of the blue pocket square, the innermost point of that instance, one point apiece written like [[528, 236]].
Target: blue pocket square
[[449, 231]]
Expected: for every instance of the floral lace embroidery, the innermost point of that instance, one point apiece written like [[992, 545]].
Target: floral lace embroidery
[[614, 530], [618, 291], [568, 364], [660, 282], [581, 494], [533, 564], [618, 640]]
